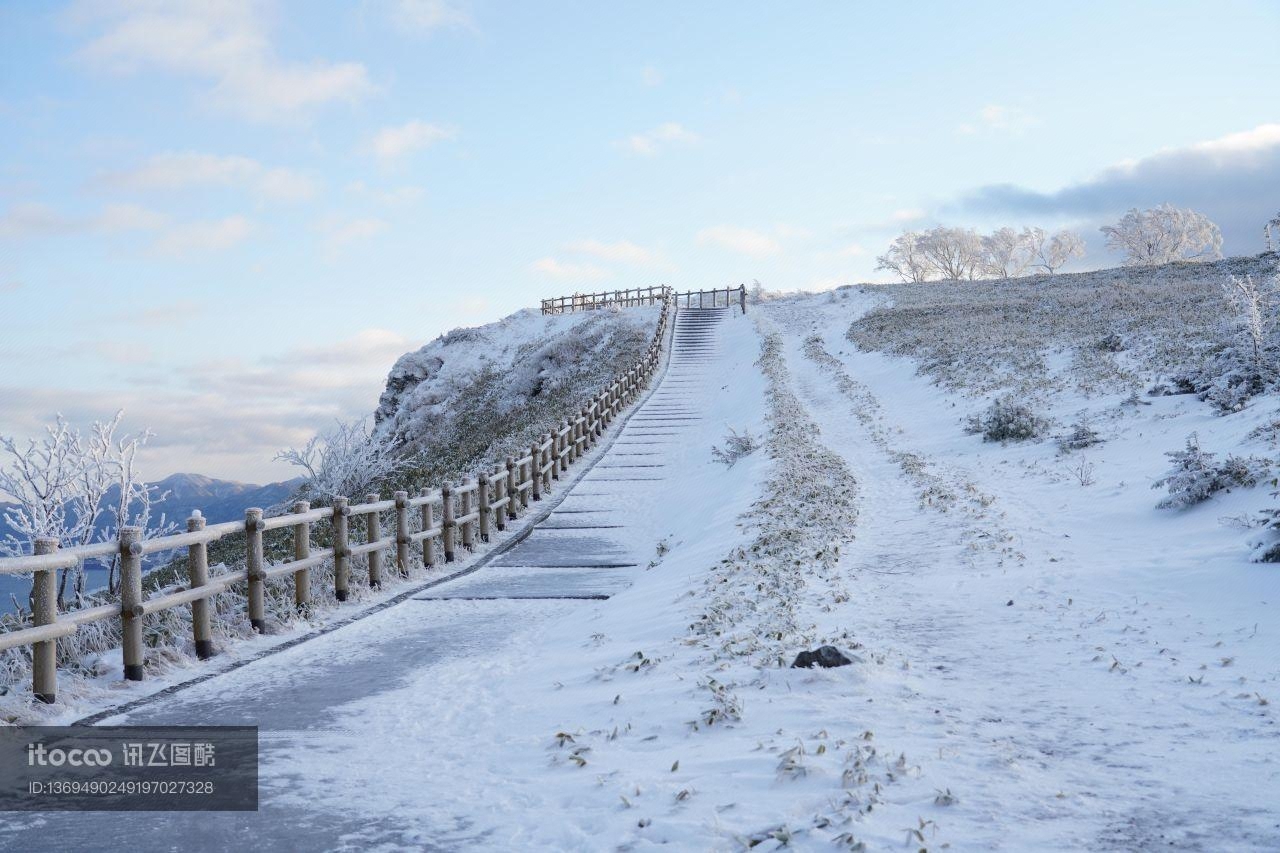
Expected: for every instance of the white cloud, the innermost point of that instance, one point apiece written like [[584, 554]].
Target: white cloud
[[622, 251], [116, 218], [558, 270], [1231, 179], [183, 170], [391, 195], [39, 220], [226, 417], [170, 314], [661, 137], [208, 236], [651, 76], [225, 43], [853, 250], [742, 240], [343, 231], [391, 143], [999, 119], [429, 15]]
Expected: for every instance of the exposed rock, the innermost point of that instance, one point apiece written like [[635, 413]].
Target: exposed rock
[[825, 657]]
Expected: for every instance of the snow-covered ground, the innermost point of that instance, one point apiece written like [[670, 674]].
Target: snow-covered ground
[[1042, 659]]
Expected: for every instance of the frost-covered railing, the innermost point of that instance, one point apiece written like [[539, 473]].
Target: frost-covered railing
[[444, 520], [725, 297], [592, 301]]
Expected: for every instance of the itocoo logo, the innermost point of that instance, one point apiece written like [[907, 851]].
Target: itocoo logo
[[38, 755]]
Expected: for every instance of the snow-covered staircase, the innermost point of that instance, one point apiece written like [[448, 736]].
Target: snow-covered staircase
[[589, 546]]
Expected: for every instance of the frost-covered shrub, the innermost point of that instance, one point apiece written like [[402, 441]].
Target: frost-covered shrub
[[736, 445], [1007, 420], [1242, 365], [1082, 435], [1111, 343], [1196, 475]]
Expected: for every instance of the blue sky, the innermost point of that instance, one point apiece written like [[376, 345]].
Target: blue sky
[[231, 217]]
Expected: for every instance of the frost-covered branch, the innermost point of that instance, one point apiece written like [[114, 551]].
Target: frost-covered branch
[[347, 460]]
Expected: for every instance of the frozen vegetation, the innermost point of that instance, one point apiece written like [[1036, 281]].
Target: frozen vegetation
[[487, 392]]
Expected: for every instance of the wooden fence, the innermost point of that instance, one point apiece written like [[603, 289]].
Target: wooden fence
[[724, 297], [454, 516], [592, 301]]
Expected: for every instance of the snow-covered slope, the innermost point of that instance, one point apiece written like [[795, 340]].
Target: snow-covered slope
[[482, 393]]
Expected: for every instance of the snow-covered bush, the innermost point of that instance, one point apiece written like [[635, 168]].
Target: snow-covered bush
[[736, 445], [1242, 363], [1007, 420], [1082, 435], [1111, 343], [350, 460], [1196, 475]]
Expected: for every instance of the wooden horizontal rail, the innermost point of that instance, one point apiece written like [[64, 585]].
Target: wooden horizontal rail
[[725, 297], [592, 301], [467, 510]]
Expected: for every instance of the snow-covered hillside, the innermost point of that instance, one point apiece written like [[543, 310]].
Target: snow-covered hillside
[[1039, 657], [482, 393]]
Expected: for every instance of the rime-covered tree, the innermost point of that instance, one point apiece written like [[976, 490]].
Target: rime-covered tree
[[1270, 231], [1052, 252], [1255, 304], [1160, 235], [1007, 252], [60, 485], [955, 253], [346, 461], [906, 258]]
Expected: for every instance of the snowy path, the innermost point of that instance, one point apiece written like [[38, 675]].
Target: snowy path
[[1016, 684], [602, 532]]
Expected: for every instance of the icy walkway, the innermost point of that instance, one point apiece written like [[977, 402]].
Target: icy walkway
[[309, 700]]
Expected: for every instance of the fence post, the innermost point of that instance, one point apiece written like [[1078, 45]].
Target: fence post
[[482, 491], [535, 471], [499, 481], [253, 564], [131, 600], [341, 550], [513, 490], [447, 523], [302, 551], [373, 532], [742, 297], [464, 509], [428, 542], [402, 532], [198, 576], [44, 611]]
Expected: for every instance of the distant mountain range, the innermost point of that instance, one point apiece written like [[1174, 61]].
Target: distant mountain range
[[217, 500]]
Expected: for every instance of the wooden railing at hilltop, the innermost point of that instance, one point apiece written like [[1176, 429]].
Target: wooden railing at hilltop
[[453, 516], [592, 301], [724, 297]]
